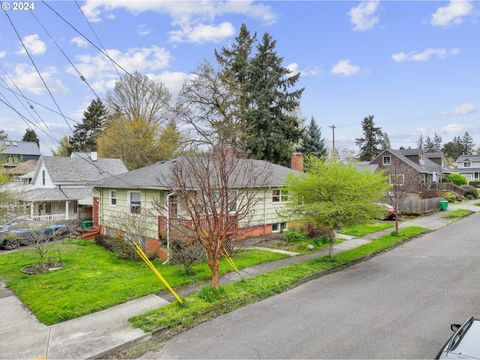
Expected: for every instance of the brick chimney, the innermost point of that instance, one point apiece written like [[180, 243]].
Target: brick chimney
[[297, 161]]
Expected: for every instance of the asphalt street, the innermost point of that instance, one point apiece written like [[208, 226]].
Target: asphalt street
[[397, 305]]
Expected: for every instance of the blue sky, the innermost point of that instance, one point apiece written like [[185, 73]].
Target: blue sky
[[414, 65]]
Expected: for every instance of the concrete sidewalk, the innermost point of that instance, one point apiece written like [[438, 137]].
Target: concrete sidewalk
[[23, 336]]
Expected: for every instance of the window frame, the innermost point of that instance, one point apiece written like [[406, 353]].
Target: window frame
[[469, 164], [395, 183], [170, 202], [278, 228], [113, 198], [43, 178], [389, 157], [281, 196], [130, 202]]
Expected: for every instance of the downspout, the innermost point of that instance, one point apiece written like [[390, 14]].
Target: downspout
[[264, 211], [167, 217]]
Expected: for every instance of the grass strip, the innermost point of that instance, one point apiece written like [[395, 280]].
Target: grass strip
[[208, 303], [365, 229], [457, 214], [477, 203]]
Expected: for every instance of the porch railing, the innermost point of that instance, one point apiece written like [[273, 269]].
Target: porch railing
[[48, 217]]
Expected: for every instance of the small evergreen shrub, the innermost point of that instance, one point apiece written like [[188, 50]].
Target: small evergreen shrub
[[450, 196], [455, 178], [294, 236], [472, 192], [474, 183]]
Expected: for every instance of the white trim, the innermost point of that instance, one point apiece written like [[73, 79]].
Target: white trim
[[389, 160], [110, 198], [129, 200]]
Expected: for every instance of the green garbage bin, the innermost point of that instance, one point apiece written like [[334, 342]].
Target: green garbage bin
[[443, 205], [86, 224]]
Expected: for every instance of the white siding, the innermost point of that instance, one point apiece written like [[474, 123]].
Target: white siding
[[48, 181]]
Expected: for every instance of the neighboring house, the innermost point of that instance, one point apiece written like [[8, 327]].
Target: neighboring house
[[61, 187], [18, 172], [425, 168], [469, 166], [140, 189], [15, 152]]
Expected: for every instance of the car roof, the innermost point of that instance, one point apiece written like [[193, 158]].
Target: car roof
[[468, 341]]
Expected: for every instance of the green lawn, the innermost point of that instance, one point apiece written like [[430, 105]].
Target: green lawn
[[297, 246], [365, 229], [477, 203], [94, 279], [457, 214], [207, 304]]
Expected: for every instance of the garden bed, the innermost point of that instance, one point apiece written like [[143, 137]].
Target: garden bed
[[94, 279]]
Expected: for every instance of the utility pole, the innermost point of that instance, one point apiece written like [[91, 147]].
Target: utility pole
[[333, 127]]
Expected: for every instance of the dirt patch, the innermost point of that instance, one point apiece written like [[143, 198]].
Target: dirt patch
[[35, 269]]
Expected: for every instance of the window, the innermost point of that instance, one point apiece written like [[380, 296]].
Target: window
[[232, 199], [135, 202], [467, 164], [279, 227], [387, 160], [113, 198], [75, 207], [173, 206], [43, 177], [397, 179], [279, 195]]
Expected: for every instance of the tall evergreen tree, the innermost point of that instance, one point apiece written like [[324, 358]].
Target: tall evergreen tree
[[420, 142], [468, 144], [31, 135], [271, 125], [234, 60], [437, 140], [429, 145], [312, 141], [3, 135], [86, 134], [453, 149], [385, 142], [370, 143]]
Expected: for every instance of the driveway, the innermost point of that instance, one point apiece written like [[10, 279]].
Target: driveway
[[397, 305]]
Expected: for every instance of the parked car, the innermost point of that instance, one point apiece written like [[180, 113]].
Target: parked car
[[12, 238], [464, 343], [390, 212]]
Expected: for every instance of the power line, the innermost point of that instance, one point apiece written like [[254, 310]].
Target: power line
[[105, 54], [333, 127], [36, 68], [65, 55], [96, 36]]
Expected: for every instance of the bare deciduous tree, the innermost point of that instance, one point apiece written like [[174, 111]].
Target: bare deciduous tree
[[404, 181], [139, 97]]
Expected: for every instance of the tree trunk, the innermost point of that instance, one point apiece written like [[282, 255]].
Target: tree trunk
[[331, 242], [215, 275], [396, 221]]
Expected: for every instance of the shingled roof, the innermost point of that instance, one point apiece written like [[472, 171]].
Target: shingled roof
[[76, 170], [13, 147], [157, 176]]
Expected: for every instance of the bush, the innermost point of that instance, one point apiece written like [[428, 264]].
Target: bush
[[456, 179], [472, 192], [185, 254], [121, 247], [450, 196], [314, 232], [474, 183], [294, 236]]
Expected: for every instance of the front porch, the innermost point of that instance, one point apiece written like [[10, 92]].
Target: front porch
[[46, 211]]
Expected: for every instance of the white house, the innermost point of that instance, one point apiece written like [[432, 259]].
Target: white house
[[61, 187], [469, 166]]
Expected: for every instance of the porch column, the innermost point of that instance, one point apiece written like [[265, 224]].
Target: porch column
[[32, 209], [66, 209]]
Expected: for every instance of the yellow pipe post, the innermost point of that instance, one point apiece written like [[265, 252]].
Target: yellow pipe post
[[230, 261], [155, 271]]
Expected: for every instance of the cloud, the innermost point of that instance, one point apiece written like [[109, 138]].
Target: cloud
[[452, 14], [202, 33], [173, 80], [2, 54], [315, 71], [143, 30], [34, 45], [183, 11], [458, 128], [363, 16], [344, 67], [79, 41], [425, 55], [463, 109], [27, 79]]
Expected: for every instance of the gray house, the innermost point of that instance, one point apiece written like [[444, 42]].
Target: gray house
[[61, 187], [16, 152], [469, 166]]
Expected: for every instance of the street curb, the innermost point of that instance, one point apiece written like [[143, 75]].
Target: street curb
[[121, 347]]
